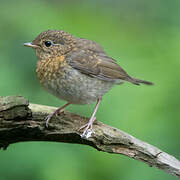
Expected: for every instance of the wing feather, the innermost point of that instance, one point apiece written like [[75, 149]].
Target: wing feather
[[96, 65]]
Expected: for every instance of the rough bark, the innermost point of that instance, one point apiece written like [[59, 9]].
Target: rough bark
[[21, 121]]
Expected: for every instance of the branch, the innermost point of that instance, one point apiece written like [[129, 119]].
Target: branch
[[20, 122]]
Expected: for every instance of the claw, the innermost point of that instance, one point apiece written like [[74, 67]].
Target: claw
[[88, 127], [47, 119], [56, 112]]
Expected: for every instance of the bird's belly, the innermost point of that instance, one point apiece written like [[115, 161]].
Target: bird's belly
[[77, 88]]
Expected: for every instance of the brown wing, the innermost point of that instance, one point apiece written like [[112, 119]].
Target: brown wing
[[97, 65]]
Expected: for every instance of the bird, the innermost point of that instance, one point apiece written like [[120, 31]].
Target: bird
[[76, 70]]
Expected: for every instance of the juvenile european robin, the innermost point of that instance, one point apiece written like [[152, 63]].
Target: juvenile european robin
[[76, 70]]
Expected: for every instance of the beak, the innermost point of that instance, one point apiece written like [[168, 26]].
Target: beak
[[30, 45]]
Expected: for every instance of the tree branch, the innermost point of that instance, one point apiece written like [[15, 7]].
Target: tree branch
[[20, 122]]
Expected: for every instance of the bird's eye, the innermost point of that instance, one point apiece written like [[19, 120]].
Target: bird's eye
[[48, 43]]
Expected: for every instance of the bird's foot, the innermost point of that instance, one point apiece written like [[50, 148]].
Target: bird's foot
[[88, 128], [56, 113], [47, 119]]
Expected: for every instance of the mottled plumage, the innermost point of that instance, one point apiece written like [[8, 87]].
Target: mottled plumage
[[76, 70]]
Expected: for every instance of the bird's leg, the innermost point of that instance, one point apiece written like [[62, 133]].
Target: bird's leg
[[57, 111], [91, 120]]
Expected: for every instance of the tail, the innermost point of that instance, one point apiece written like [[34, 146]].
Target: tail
[[138, 81]]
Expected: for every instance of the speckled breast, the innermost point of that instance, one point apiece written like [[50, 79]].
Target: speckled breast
[[66, 83]]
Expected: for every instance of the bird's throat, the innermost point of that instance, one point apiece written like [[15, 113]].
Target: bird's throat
[[48, 69]]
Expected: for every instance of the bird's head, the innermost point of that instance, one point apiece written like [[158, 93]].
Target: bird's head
[[52, 43]]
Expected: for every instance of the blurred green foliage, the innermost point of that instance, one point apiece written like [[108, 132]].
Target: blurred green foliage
[[143, 36]]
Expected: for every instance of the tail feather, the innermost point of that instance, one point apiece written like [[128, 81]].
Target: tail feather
[[139, 81]]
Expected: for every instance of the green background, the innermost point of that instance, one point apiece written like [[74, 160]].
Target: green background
[[144, 38]]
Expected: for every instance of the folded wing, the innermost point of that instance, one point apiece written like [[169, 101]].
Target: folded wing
[[99, 65]]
